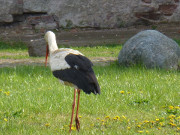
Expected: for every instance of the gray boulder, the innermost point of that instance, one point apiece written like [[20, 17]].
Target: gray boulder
[[152, 49], [37, 48]]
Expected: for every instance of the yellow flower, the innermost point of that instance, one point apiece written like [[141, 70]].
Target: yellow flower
[[80, 116], [157, 119], [122, 92], [7, 93], [178, 128], [123, 116], [178, 117], [159, 128], [171, 120], [102, 120], [116, 117], [147, 131], [103, 123], [138, 126], [174, 125], [129, 92], [140, 131], [161, 123], [47, 124], [5, 119], [172, 116], [107, 117], [0, 90], [171, 107], [176, 107], [98, 118], [146, 121], [73, 128], [92, 125], [152, 122], [128, 128]]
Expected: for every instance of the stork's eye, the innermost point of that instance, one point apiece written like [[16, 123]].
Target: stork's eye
[[76, 67]]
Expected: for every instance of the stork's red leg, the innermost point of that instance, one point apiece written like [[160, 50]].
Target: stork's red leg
[[77, 118], [73, 106]]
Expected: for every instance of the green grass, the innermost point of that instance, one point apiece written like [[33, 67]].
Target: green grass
[[100, 51], [133, 100], [19, 50]]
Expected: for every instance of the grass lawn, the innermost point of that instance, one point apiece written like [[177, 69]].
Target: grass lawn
[[19, 50], [134, 100]]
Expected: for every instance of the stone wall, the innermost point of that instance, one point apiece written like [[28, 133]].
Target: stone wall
[[52, 14]]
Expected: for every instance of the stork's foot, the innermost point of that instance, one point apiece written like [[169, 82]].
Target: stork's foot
[[77, 123]]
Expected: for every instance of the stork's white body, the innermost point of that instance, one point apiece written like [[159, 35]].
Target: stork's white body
[[57, 58]]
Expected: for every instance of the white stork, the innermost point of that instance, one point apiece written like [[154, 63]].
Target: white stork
[[72, 68]]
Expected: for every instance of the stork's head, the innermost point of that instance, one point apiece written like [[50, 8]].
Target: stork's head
[[49, 36], [50, 39]]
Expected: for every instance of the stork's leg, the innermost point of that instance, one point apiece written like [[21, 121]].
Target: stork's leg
[[77, 118], [73, 106]]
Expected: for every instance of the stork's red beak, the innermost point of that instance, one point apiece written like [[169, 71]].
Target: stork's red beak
[[47, 53]]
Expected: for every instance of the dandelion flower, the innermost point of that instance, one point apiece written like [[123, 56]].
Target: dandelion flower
[[47, 124], [129, 92], [128, 128], [174, 125], [138, 126], [92, 125], [98, 118], [7, 93], [159, 128], [172, 116], [80, 116], [122, 92], [146, 121], [157, 119], [161, 123], [107, 117], [178, 117], [5, 119], [176, 107], [178, 128], [114, 118], [117, 117], [171, 107], [147, 131], [140, 131], [102, 120], [0, 90], [73, 128], [123, 116]]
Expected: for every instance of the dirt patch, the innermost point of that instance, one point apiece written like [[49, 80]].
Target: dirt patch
[[98, 61]]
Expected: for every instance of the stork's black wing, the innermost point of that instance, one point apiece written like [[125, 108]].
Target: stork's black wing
[[81, 74]]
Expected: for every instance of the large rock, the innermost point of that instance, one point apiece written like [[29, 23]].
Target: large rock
[[37, 47], [152, 49]]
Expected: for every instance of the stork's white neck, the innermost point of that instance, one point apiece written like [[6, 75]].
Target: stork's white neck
[[51, 40]]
